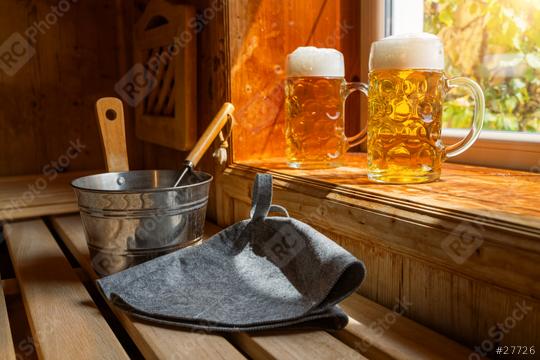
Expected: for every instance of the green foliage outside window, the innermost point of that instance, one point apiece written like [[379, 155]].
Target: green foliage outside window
[[496, 43]]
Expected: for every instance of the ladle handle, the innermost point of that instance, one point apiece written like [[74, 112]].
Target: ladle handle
[[210, 133], [110, 114]]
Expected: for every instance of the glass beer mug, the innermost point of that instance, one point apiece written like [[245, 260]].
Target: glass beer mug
[[315, 92], [405, 98]]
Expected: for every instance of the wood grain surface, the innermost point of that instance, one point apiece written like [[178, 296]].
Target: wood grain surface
[[7, 350], [112, 130], [154, 342], [48, 103], [381, 333], [507, 197], [64, 320], [299, 345], [37, 195]]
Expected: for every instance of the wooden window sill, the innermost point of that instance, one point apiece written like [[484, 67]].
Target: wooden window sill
[[479, 222], [493, 194]]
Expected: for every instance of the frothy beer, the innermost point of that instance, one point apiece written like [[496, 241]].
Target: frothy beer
[[406, 91], [409, 51], [315, 107]]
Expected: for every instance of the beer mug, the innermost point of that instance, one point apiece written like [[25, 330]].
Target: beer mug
[[405, 98], [315, 92]]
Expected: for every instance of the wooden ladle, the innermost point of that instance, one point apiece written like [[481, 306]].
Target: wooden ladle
[[110, 114]]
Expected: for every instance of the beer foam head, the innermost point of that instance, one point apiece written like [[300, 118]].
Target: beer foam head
[[312, 61], [408, 51]]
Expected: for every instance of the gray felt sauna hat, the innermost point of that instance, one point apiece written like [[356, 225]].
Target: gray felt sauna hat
[[262, 273]]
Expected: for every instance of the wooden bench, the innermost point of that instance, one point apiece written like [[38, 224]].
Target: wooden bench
[[66, 322]]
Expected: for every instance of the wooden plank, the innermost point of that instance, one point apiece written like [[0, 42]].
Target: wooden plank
[[294, 345], [155, 342], [7, 350], [501, 196], [64, 321], [124, 51], [47, 103], [37, 195], [20, 329], [380, 333]]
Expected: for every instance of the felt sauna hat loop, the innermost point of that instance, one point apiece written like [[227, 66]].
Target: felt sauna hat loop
[[261, 273]]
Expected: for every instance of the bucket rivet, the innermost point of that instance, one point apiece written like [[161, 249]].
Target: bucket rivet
[[121, 180]]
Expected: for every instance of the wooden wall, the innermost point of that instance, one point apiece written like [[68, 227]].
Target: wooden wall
[[49, 102]]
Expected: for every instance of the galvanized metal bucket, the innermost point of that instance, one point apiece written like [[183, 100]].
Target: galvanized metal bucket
[[131, 217]]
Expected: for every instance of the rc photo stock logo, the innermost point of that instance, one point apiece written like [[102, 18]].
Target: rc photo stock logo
[[140, 80], [15, 52], [463, 242], [136, 84], [19, 48], [284, 245]]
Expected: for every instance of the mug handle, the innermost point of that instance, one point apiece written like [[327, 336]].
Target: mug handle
[[478, 118], [362, 135]]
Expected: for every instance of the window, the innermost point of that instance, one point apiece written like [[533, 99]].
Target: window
[[509, 74], [496, 43]]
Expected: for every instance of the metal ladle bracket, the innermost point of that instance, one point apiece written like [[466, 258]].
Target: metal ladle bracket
[[206, 140]]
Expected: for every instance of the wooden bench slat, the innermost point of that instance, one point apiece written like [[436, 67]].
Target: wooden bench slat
[[39, 210], [153, 341], [380, 333], [402, 338], [313, 345], [64, 321], [7, 350], [295, 345]]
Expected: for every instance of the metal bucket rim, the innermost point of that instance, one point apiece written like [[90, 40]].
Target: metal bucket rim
[[138, 191]]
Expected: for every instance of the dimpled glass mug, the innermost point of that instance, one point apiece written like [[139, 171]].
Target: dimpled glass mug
[[315, 94], [405, 99]]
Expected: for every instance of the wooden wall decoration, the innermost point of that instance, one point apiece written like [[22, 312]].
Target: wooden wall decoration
[[162, 83]]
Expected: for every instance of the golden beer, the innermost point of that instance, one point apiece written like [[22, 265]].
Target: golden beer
[[404, 128], [405, 98], [314, 128], [315, 94]]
